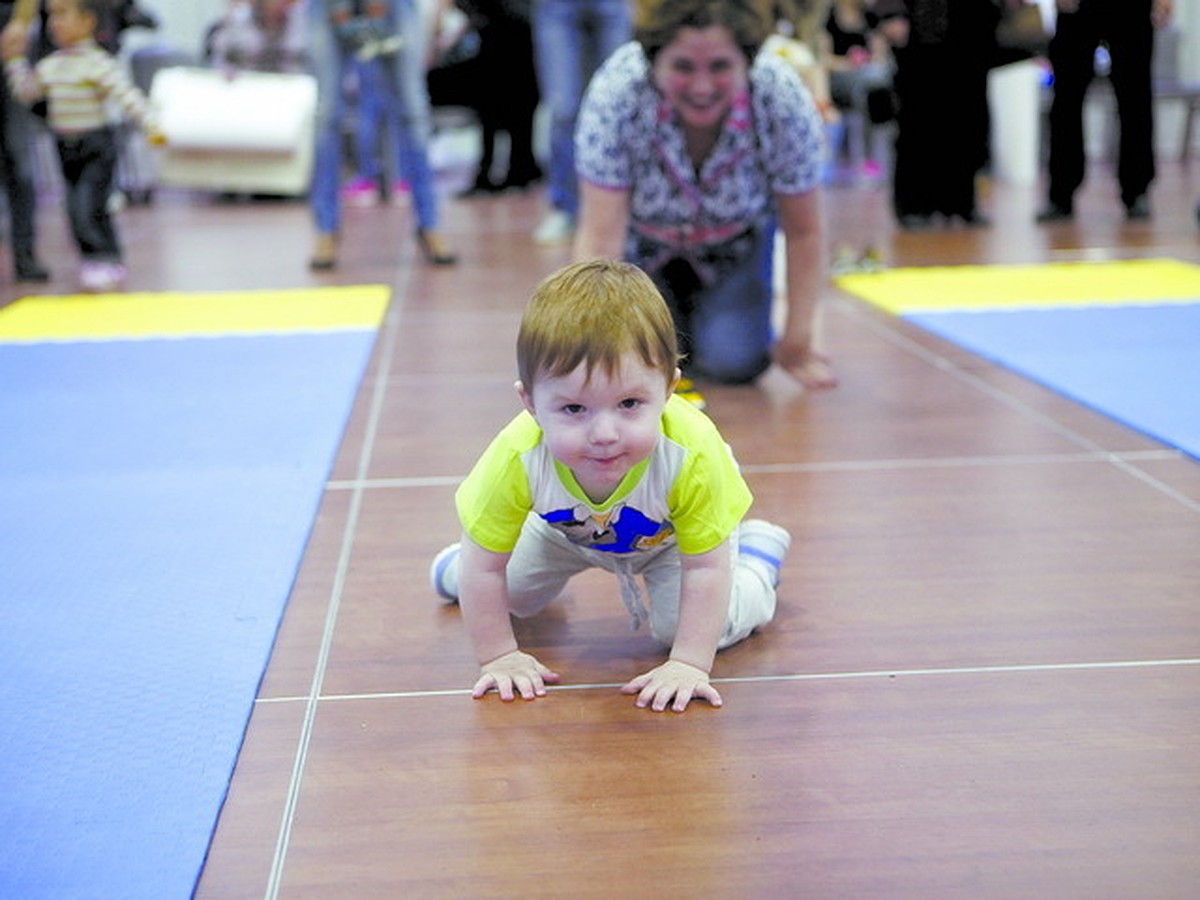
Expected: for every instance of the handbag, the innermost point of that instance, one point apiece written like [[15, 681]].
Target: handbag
[[1021, 28]]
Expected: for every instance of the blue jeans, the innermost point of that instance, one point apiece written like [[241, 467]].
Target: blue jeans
[[571, 39], [407, 100], [723, 317]]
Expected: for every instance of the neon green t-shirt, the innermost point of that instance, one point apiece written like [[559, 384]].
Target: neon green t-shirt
[[688, 491]]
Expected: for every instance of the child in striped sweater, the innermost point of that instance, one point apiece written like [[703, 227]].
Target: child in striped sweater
[[77, 81]]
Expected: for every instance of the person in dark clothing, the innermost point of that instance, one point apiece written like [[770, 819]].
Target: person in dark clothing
[[943, 50], [506, 93], [1127, 28], [16, 170]]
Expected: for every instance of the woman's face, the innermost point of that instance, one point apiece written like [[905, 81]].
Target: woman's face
[[700, 73]]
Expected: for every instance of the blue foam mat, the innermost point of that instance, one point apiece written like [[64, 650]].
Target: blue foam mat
[[155, 500], [1137, 364]]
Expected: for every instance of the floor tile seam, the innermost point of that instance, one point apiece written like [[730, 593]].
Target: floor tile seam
[[865, 465], [866, 674], [418, 379], [942, 363], [389, 337]]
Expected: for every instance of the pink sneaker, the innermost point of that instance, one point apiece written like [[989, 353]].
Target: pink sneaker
[[361, 192]]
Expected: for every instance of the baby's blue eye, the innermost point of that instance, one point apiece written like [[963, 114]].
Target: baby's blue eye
[[573, 409]]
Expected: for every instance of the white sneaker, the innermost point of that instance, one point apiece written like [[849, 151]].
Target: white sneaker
[[117, 274], [101, 277], [443, 573], [557, 228], [764, 542]]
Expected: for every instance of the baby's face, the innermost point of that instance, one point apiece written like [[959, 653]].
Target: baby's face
[[68, 23], [600, 427]]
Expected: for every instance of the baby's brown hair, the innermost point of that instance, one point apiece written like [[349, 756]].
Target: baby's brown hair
[[595, 312]]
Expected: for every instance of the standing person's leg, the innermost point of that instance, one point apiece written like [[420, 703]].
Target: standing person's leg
[[1072, 56], [918, 86], [1130, 41], [89, 165], [521, 103], [92, 174], [325, 57], [370, 182], [488, 95], [571, 39], [411, 105], [16, 170], [964, 140], [559, 46]]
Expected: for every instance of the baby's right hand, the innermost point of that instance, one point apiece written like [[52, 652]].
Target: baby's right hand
[[515, 669]]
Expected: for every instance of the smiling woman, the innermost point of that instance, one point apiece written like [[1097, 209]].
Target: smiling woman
[[691, 149]]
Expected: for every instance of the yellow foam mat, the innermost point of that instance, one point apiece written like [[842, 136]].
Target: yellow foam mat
[[101, 317], [965, 288]]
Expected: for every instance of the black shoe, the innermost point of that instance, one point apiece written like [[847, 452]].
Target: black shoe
[[29, 269], [522, 176], [482, 187], [1055, 212], [974, 219], [1138, 208], [915, 221]]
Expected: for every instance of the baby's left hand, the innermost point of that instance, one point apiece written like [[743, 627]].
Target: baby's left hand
[[673, 679]]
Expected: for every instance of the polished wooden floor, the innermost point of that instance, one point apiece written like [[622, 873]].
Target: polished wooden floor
[[983, 681]]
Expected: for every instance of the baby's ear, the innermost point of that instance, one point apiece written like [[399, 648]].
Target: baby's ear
[[526, 396], [674, 382]]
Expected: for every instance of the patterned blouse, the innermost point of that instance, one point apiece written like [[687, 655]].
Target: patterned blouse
[[629, 138]]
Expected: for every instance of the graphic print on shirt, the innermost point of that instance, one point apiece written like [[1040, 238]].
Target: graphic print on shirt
[[621, 529]]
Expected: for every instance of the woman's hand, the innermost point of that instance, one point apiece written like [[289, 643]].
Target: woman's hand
[[808, 366]]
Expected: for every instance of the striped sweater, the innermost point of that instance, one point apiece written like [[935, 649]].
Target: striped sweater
[[77, 82]]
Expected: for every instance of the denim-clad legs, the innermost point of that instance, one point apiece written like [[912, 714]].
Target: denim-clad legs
[[373, 123], [724, 326], [408, 101], [571, 39]]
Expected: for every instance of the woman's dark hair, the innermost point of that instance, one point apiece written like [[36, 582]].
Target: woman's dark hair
[[658, 22]]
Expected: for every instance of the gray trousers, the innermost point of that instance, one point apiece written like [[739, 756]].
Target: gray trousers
[[544, 561]]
